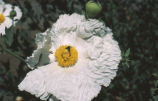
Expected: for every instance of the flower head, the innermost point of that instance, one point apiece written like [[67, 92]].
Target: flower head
[[74, 58], [66, 55], [7, 18]]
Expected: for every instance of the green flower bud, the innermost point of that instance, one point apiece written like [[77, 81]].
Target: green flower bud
[[93, 9], [12, 13]]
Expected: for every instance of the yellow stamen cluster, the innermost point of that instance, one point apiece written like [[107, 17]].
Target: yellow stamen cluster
[[66, 55], [2, 18]]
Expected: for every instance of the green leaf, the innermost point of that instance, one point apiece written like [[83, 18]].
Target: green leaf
[[9, 36], [155, 98], [127, 52]]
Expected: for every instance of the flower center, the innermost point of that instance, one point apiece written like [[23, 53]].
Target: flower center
[[66, 55], [2, 18]]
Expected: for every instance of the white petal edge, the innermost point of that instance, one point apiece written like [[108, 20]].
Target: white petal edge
[[64, 84], [2, 30], [39, 56], [18, 14], [91, 27], [8, 9], [34, 83], [104, 60]]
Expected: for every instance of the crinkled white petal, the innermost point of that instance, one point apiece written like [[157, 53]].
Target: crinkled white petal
[[8, 9], [18, 14], [67, 23], [43, 40], [91, 27], [63, 83], [40, 55], [105, 57], [34, 83], [38, 58]]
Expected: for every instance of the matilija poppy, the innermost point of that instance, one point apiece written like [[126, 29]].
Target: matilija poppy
[[74, 59], [9, 15]]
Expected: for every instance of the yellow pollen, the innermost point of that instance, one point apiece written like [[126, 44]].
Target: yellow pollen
[[2, 18], [66, 55]]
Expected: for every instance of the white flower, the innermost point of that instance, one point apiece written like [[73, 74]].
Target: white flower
[[6, 12], [80, 56], [5, 21]]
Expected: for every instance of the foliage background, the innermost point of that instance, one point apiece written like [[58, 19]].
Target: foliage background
[[135, 27]]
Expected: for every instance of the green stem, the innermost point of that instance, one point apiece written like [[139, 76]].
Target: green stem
[[13, 54]]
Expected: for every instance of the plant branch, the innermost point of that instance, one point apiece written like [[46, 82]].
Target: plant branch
[[13, 54]]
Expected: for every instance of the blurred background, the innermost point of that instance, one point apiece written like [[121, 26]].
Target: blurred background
[[135, 27]]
